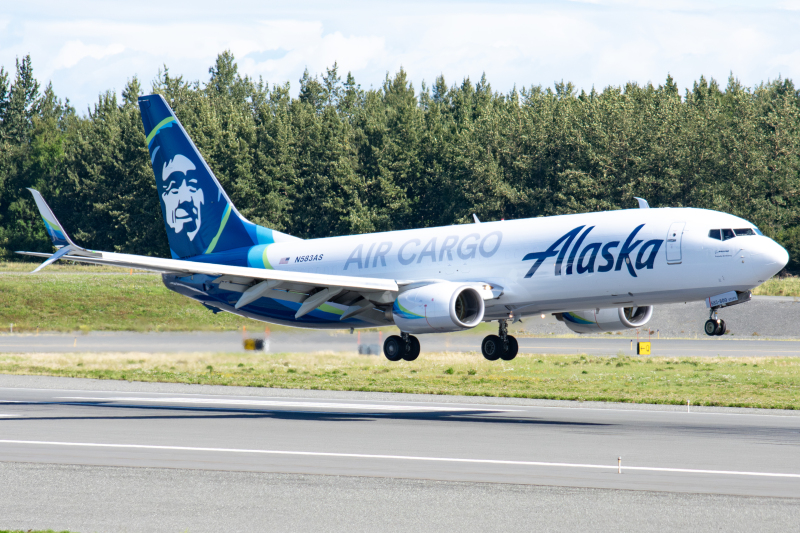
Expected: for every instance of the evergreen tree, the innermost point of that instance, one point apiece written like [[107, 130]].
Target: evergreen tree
[[339, 159]]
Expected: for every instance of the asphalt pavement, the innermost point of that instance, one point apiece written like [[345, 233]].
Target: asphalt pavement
[[322, 341], [89, 455], [411, 447]]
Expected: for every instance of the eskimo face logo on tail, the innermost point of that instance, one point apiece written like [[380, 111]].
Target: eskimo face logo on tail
[[182, 197]]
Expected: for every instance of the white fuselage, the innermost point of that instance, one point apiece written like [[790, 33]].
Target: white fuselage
[[585, 271]]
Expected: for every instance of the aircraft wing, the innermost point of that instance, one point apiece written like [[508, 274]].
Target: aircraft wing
[[310, 289], [176, 266]]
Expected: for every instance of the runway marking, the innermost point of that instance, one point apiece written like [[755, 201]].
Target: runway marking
[[280, 403], [8, 415], [401, 457]]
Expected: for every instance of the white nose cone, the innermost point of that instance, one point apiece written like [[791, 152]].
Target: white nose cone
[[772, 257], [778, 254]]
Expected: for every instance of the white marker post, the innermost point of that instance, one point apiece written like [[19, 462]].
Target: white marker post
[[619, 465]]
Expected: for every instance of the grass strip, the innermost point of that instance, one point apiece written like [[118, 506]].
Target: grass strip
[[67, 298], [762, 382], [104, 301], [786, 286]]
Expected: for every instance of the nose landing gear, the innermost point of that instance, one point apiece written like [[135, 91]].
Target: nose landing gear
[[714, 326], [405, 347], [502, 346]]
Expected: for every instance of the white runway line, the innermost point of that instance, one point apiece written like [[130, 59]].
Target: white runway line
[[398, 457], [280, 403]]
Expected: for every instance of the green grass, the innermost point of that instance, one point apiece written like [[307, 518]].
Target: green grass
[[738, 382], [59, 266], [787, 286], [103, 301]]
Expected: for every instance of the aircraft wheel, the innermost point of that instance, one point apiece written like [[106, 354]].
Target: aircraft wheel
[[412, 349], [394, 348], [492, 347], [513, 348], [710, 327], [721, 328]]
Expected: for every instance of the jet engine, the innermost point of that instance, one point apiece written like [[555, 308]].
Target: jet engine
[[596, 320], [438, 307]]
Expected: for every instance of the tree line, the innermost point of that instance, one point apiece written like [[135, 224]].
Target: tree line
[[340, 159]]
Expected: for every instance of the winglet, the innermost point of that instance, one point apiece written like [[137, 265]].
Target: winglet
[[51, 224], [642, 203], [57, 234]]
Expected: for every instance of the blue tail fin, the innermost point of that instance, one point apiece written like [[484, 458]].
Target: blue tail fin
[[199, 216]]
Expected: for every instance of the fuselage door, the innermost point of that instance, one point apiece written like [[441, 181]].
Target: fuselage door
[[674, 242]]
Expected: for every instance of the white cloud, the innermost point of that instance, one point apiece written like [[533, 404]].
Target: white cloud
[[73, 51]]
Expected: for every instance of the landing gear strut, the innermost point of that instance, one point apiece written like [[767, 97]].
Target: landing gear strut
[[502, 346], [714, 326], [405, 347]]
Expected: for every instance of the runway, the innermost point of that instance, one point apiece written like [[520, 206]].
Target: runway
[[722, 452], [52, 426], [316, 341]]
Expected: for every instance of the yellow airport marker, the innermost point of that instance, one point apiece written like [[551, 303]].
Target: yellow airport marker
[[643, 348]]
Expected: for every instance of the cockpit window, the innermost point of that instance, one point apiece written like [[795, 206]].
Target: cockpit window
[[725, 234], [758, 232]]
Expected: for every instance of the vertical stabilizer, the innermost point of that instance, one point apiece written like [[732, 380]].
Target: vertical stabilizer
[[200, 218]]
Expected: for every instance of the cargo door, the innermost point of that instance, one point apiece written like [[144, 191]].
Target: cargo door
[[674, 237]]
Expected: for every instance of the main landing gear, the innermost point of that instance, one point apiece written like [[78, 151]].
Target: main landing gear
[[404, 346], [502, 346], [714, 326]]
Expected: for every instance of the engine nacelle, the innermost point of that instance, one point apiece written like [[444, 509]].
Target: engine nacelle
[[438, 307], [596, 320]]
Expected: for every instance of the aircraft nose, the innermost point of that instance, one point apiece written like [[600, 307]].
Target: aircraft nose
[[773, 255], [778, 254]]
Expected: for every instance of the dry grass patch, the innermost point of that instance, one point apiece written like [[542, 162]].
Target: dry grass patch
[[742, 382]]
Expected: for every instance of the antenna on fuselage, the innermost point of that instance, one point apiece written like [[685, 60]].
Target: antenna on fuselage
[[478, 221]]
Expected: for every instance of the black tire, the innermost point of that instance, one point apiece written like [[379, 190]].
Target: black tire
[[721, 328], [394, 348], [511, 352], [492, 347], [710, 327], [412, 349]]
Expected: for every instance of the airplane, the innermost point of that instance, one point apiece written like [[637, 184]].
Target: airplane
[[596, 272]]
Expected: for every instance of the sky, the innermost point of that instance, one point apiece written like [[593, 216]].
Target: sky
[[85, 47]]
